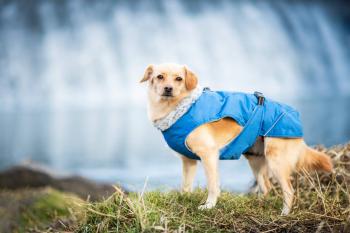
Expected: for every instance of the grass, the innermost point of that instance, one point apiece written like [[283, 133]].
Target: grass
[[322, 204], [38, 210], [52, 209]]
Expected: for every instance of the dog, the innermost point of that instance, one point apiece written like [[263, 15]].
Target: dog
[[173, 91]]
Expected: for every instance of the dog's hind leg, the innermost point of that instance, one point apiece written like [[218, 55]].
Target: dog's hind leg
[[281, 156], [283, 178], [258, 164], [259, 167]]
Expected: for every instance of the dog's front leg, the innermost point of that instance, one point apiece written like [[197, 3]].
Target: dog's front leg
[[210, 163], [189, 167]]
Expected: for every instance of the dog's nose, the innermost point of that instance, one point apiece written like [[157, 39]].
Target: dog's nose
[[168, 89]]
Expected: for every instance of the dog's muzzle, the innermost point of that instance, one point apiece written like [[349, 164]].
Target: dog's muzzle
[[168, 92]]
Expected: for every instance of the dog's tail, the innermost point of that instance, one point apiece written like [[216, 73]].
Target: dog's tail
[[315, 160]]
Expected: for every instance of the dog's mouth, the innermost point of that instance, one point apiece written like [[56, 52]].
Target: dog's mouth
[[167, 95]]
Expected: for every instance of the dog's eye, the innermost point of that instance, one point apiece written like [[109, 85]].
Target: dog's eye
[[160, 77], [178, 79]]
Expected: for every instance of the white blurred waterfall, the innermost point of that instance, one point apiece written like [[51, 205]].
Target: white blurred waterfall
[[79, 54]]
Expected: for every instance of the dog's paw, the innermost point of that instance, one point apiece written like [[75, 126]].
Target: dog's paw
[[206, 206], [285, 211], [184, 190], [254, 189]]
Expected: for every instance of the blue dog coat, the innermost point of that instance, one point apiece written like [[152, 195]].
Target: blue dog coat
[[268, 118]]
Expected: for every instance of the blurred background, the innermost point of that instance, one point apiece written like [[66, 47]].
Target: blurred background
[[69, 70]]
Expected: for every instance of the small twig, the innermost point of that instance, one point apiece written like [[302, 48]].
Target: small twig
[[102, 214], [323, 215]]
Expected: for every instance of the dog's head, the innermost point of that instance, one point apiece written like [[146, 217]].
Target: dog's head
[[170, 81]]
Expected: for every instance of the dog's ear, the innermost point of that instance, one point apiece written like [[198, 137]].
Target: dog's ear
[[190, 79], [147, 74]]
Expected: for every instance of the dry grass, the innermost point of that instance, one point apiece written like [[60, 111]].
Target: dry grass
[[322, 205]]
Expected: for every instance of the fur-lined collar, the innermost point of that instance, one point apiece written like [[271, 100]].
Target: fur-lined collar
[[182, 107]]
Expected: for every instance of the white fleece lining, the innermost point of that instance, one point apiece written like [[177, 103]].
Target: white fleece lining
[[184, 105]]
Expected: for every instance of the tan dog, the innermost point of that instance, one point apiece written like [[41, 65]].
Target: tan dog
[[170, 83]]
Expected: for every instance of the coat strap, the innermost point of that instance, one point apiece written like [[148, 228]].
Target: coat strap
[[247, 137]]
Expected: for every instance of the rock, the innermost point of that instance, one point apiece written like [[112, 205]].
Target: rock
[[84, 188], [19, 177], [22, 177]]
